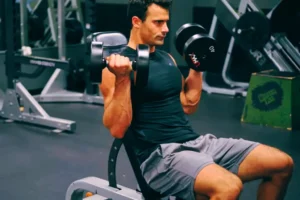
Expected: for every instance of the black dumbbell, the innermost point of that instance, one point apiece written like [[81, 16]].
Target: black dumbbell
[[196, 46], [140, 64]]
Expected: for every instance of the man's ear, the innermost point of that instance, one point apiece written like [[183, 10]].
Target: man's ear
[[136, 22]]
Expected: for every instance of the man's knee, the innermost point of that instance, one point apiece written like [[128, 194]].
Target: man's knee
[[215, 181], [285, 166], [228, 189]]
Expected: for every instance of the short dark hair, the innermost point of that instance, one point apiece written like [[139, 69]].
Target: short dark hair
[[139, 7]]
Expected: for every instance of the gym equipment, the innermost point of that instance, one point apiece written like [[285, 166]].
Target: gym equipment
[[140, 64], [285, 18], [31, 25], [90, 16], [71, 24], [56, 89], [74, 31], [196, 46], [278, 53], [103, 189], [18, 103], [46, 11], [272, 100], [252, 30]]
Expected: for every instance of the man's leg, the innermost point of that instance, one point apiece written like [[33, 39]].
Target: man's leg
[[216, 182], [273, 166], [250, 160], [181, 171]]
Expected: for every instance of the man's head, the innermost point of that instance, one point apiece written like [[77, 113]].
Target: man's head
[[149, 19]]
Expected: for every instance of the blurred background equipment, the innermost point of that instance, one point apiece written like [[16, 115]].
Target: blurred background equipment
[[69, 81], [272, 52]]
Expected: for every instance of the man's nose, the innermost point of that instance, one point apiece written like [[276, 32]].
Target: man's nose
[[165, 28]]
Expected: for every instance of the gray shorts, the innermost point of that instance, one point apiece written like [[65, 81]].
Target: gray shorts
[[172, 168]]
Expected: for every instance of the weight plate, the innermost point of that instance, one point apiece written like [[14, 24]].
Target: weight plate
[[253, 30], [142, 65], [200, 52], [185, 32]]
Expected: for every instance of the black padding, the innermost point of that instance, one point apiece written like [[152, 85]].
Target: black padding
[[147, 191], [113, 42], [110, 38], [110, 42]]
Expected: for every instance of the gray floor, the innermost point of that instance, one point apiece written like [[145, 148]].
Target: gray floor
[[37, 164]]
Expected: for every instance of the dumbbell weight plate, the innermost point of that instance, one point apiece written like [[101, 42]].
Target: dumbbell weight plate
[[97, 63], [185, 32], [200, 52], [141, 65]]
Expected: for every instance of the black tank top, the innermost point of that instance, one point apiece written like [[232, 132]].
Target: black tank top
[[158, 116]]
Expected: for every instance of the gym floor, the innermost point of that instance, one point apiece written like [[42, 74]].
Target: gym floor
[[39, 164]]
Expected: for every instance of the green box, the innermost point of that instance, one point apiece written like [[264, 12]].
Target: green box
[[273, 99]]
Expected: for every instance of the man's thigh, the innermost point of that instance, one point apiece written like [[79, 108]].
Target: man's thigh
[[265, 161], [226, 152], [173, 168], [172, 171]]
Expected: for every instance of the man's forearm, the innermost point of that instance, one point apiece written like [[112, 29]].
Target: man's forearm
[[193, 88], [118, 112]]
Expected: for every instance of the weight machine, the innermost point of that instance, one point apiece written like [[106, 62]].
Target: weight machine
[[47, 14], [278, 53], [55, 89], [18, 104]]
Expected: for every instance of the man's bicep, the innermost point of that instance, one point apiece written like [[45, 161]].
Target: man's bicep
[[107, 85]]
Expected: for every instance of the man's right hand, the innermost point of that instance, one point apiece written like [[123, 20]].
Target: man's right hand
[[119, 65]]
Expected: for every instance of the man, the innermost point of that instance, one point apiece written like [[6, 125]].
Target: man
[[175, 159]]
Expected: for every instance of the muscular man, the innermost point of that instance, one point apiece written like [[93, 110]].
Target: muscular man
[[175, 159]]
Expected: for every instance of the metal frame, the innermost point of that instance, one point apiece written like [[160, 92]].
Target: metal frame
[[103, 189], [54, 89], [24, 23], [18, 104]]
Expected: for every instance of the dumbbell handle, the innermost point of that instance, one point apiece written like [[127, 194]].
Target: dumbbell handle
[[133, 64]]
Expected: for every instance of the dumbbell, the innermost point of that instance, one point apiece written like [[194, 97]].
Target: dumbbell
[[140, 64], [196, 46]]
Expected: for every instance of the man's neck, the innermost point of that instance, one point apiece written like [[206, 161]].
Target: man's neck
[[134, 40]]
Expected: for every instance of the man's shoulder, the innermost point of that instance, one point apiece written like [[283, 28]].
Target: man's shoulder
[[166, 55], [161, 51]]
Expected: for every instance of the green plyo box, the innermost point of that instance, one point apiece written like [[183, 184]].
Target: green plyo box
[[273, 99]]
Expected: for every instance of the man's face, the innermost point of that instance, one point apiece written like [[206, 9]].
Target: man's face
[[154, 29]]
